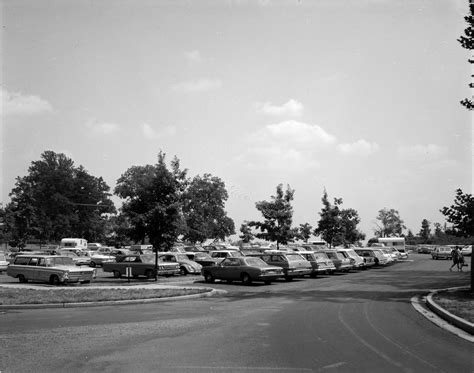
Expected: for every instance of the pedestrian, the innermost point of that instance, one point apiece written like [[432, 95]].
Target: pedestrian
[[460, 261], [455, 257]]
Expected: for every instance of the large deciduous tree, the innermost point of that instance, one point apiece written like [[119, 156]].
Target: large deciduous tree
[[390, 223], [203, 209], [278, 217], [461, 214], [152, 205], [305, 231], [57, 199], [467, 42], [247, 234]]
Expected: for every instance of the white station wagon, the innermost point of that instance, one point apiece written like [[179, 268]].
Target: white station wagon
[[49, 268]]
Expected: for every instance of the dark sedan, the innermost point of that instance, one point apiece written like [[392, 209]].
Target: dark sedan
[[245, 269]]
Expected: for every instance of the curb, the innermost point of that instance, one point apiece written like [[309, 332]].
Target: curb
[[465, 325], [209, 293]]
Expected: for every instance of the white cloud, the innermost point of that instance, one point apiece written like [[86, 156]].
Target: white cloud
[[103, 128], [422, 152], [19, 104], [360, 147], [289, 144], [290, 108], [199, 85], [193, 56], [152, 133]]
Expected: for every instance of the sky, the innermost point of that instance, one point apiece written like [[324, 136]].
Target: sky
[[356, 97]]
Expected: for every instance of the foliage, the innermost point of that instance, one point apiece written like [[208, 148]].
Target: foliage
[[305, 231], [461, 214], [247, 234], [56, 200], [203, 209], [390, 223], [278, 217], [467, 42], [152, 204], [338, 226], [425, 231]]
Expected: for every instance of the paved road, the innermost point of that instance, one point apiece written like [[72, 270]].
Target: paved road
[[357, 322]]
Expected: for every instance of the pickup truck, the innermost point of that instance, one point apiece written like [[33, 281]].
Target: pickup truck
[[140, 265]]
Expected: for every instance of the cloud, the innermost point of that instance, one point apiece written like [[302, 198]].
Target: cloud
[[199, 85], [21, 104], [102, 128], [152, 133], [289, 144], [360, 147], [193, 56], [422, 152], [290, 108]]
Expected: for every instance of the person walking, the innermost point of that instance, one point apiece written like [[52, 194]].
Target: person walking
[[455, 257], [460, 260]]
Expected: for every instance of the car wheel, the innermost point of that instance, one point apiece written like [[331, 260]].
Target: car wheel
[[54, 280], [246, 279], [267, 282], [22, 279], [149, 274], [208, 277], [183, 271], [289, 278], [92, 264], [117, 274]]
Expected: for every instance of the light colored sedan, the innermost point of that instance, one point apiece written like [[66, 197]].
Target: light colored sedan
[[186, 265]]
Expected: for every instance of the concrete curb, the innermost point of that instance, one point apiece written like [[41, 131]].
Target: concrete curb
[[209, 293], [465, 325]]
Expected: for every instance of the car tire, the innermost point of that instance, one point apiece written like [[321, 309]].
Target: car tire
[[288, 278], [267, 282], [54, 280], [22, 279], [149, 274], [208, 277], [117, 274], [92, 264], [246, 279], [183, 271]]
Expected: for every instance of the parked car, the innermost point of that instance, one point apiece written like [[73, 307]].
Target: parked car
[[49, 268], [378, 258], [424, 249], [441, 252], [222, 254], [294, 265], [98, 259], [3, 263], [391, 258], [93, 246], [203, 258], [140, 265], [245, 269], [356, 260], [186, 265], [466, 250], [120, 252], [403, 253], [105, 250], [341, 262], [80, 258], [320, 263]]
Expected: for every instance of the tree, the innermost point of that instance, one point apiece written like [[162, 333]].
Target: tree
[[56, 200], [467, 42], [438, 233], [349, 221], [425, 231], [278, 215], [152, 205], [390, 223], [203, 209], [247, 234], [461, 214], [305, 231]]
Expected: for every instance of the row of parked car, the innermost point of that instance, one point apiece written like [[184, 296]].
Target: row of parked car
[[212, 262]]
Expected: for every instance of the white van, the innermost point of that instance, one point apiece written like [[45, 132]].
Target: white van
[[73, 243]]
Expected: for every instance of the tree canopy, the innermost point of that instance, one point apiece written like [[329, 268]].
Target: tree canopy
[[278, 217], [57, 199], [390, 223], [467, 42], [461, 214]]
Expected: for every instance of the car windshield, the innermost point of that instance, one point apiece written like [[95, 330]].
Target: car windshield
[[257, 262], [59, 261], [181, 257], [294, 257], [200, 256], [351, 253], [321, 255], [331, 255]]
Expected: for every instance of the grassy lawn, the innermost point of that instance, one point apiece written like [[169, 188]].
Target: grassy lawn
[[41, 296], [459, 303]]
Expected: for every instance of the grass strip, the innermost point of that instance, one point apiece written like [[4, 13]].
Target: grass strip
[[458, 302], [48, 296]]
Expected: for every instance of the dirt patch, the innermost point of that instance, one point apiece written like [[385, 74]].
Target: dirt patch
[[458, 302]]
